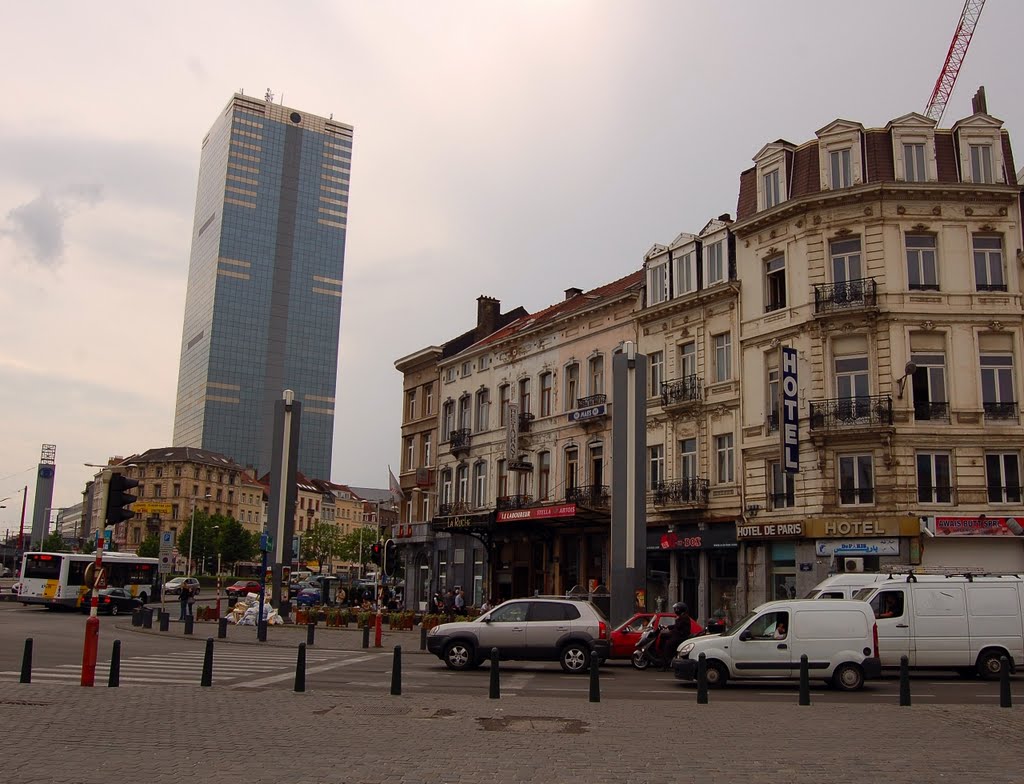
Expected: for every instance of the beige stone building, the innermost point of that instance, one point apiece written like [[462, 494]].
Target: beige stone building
[[890, 260]]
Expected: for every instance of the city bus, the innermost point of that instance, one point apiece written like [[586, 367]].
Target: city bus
[[55, 579]]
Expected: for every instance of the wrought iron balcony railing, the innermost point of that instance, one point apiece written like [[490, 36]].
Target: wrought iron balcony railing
[[454, 508], [691, 491], [991, 287], [773, 421], [506, 502], [525, 418], [459, 440], [1005, 409], [782, 500], [1004, 494], [687, 389], [931, 410], [857, 495], [937, 494], [592, 400], [594, 496], [859, 293], [844, 412]]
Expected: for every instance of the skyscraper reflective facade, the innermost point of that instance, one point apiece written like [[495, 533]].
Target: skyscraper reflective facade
[[263, 307]]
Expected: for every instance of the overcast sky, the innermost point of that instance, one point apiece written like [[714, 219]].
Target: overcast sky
[[511, 149]]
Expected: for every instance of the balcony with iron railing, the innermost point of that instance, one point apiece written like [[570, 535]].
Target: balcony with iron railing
[[591, 400], [850, 496], [592, 496], [458, 440], [506, 502], [846, 413], [683, 391], [687, 492], [450, 508], [931, 410], [773, 422], [525, 418], [1005, 410], [935, 494], [844, 296]]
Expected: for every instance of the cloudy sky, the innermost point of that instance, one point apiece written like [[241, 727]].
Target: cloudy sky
[[512, 149]]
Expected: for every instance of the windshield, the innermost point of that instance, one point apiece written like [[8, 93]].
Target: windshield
[[863, 594], [738, 625], [813, 594]]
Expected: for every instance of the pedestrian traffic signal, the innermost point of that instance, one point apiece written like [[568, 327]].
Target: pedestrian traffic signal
[[118, 499], [390, 557], [375, 553]]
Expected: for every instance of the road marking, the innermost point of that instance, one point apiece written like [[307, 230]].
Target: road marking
[[309, 671]]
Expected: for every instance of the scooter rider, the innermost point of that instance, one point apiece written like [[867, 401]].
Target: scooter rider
[[677, 635]]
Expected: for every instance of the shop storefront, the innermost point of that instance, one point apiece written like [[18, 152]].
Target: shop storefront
[[974, 542], [697, 563]]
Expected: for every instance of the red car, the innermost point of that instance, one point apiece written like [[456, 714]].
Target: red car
[[625, 637], [242, 587]]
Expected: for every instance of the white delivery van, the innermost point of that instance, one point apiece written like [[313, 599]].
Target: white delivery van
[[844, 586], [962, 622], [837, 636]]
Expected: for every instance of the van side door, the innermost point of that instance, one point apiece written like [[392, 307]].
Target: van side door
[[763, 647], [891, 606], [941, 633]]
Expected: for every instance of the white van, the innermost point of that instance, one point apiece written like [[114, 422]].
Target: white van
[[953, 622], [839, 638], [843, 586]]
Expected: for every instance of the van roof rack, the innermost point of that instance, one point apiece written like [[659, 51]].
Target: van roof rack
[[970, 572]]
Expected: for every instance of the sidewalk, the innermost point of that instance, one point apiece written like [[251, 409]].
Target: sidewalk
[[67, 735]]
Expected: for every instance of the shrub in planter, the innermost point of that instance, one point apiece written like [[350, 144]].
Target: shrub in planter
[[344, 616], [301, 615]]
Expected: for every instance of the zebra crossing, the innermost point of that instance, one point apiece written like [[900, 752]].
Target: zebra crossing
[[231, 666]]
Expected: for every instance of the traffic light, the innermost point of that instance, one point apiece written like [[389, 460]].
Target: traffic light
[[375, 553], [118, 499], [390, 557]]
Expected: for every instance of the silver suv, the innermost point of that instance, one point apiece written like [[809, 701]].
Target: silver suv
[[533, 629]]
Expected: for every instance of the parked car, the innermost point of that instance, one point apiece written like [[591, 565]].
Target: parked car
[[534, 629], [625, 637], [243, 587], [173, 586], [839, 637], [113, 601], [294, 589], [308, 596]]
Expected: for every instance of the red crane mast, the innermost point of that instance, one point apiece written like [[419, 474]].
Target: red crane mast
[[954, 58]]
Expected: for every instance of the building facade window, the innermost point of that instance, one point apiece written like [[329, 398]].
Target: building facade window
[[572, 385], [714, 263], [840, 169], [502, 489], [856, 480], [770, 188], [686, 273], [1002, 475], [783, 488], [929, 386], [688, 359], [479, 485], [597, 375], [655, 466], [775, 283], [988, 263], [504, 393], [428, 455], [546, 393], [543, 476], [922, 270], [913, 163], [572, 468], [723, 356], [846, 262], [447, 420], [410, 453], [410, 405], [597, 464], [465, 412], [981, 163], [724, 453], [483, 409], [688, 465], [997, 386], [524, 396], [467, 368], [852, 387], [446, 486], [934, 478], [772, 403], [656, 362], [462, 483], [657, 283]]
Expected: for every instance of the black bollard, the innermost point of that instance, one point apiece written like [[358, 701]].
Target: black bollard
[[114, 679], [207, 677], [261, 631], [147, 618], [805, 681], [189, 624], [165, 621], [495, 678], [222, 628], [702, 679], [310, 634], [1005, 699], [137, 617], [595, 678], [300, 668], [26, 662], [366, 636], [396, 672], [423, 638], [904, 681]]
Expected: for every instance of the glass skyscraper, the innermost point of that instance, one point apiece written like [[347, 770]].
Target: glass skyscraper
[[263, 307]]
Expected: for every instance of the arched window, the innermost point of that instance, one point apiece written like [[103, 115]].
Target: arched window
[[483, 409], [447, 420], [546, 393], [543, 476], [479, 485]]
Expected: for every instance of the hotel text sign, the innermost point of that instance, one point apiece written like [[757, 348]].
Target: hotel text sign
[[788, 409]]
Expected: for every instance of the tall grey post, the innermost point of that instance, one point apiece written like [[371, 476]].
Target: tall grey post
[[43, 503], [629, 502], [281, 506]]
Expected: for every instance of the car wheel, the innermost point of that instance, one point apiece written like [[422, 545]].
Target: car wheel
[[640, 661], [113, 609], [989, 665], [575, 657], [459, 655], [716, 675], [848, 677]]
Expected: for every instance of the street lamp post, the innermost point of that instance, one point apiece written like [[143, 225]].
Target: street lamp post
[[192, 532], [216, 528]]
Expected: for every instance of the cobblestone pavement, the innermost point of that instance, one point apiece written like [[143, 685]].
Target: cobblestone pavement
[[68, 735]]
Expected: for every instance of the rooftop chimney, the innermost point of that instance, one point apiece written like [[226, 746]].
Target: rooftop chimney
[[725, 216], [573, 292], [978, 102], [488, 309]]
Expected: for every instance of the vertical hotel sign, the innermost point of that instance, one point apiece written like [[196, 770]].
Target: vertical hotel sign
[[512, 433], [789, 430]]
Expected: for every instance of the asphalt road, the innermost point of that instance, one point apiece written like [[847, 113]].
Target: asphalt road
[[174, 659]]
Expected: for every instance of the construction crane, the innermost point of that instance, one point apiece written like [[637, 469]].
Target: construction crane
[[954, 58]]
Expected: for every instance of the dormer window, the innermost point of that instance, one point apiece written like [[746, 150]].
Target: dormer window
[[981, 163], [657, 282], [714, 263], [913, 163], [980, 150], [770, 188], [773, 162], [840, 155], [840, 169]]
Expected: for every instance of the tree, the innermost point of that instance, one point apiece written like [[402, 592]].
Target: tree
[[150, 547], [355, 546], [321, 543], [234, 542], [53, 544]]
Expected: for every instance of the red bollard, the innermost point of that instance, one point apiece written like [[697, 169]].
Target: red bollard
[[92, 641], [377, 633]]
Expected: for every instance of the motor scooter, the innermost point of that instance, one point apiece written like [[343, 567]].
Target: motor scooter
[[649, 648]]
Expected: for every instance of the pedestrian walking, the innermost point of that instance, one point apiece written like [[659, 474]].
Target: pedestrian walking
[[183, 600], [191, 600], [460, 602]]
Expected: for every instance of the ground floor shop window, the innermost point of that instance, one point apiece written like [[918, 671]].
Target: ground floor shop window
[[724, 577], [783, 570]]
